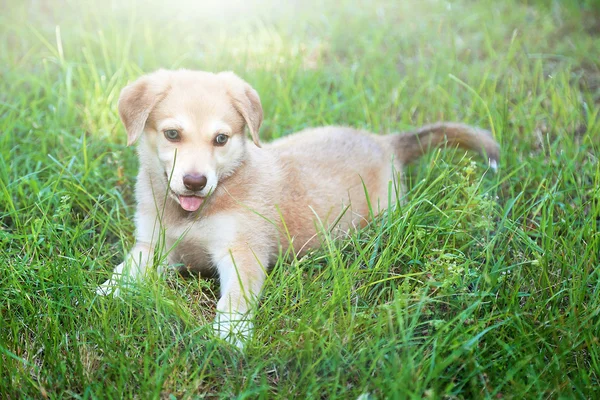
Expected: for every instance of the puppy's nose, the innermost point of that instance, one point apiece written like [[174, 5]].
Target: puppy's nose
[[194, 182]]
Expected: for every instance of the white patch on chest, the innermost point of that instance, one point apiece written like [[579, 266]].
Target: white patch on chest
[[196, 244]]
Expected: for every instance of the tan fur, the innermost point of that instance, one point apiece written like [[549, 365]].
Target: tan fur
[[258, 201]]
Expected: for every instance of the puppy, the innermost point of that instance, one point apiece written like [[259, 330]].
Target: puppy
[[214, 201]]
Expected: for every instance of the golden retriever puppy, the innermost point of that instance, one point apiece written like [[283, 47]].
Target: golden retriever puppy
[[216, 202]]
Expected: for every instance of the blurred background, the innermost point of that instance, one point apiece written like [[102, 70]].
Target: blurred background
[[385, 65]]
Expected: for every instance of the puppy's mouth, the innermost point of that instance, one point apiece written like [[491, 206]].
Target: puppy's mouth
[[190, 203]]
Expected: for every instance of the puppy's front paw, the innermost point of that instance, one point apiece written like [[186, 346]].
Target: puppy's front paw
[[111, 286], [108, 288], [234, 328]]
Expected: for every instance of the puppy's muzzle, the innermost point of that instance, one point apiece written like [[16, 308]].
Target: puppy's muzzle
[[194, 182]]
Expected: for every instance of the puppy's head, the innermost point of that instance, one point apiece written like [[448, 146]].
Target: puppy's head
[[192, 124]]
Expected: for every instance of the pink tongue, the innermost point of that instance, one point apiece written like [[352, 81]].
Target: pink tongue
[[190, 203]]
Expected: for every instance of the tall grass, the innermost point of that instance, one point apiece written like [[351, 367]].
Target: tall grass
[[478, 285]]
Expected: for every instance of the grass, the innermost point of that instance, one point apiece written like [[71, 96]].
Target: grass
[[480, 286]]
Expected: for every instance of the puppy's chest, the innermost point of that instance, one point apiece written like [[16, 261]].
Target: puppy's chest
[[199, 243]]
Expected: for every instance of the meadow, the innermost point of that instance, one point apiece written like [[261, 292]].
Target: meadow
[[479, 285]]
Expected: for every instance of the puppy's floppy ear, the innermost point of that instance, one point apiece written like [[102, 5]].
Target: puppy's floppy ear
[[138, 99], [246, 102]]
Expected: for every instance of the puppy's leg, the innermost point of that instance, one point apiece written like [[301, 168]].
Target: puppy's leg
[[242, 275], [131, 269], [139, 257]]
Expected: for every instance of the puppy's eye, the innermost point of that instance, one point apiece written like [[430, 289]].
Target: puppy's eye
[[172, 135], [221, 139]]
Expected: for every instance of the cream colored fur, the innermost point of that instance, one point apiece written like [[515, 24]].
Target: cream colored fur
[[257, 201]]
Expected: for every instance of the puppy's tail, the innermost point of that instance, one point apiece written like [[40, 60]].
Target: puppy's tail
[[412, 145]]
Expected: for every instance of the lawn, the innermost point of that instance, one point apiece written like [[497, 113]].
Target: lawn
[[479, 285]]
